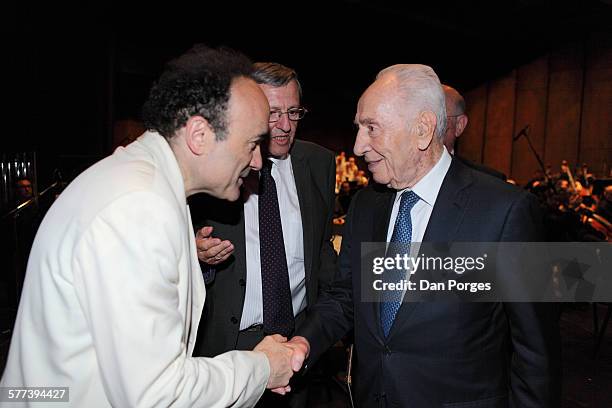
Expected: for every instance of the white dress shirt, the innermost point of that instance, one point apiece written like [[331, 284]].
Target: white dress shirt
[[427, 189], [291, 221]]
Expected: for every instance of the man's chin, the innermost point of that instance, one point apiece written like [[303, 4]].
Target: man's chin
[[385, 181], [230, 193], [277, 150], [233, 194]]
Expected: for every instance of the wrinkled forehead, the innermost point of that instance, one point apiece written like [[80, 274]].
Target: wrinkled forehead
[[282, 96], [382, 98]]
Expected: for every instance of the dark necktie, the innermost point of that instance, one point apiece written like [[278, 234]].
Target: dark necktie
[[399, 244], [276, 292]]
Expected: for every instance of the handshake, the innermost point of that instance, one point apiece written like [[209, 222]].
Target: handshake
[[285, 358]]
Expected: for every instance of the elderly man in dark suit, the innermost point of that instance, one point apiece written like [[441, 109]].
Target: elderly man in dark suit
[[268, 255], [441, 353]]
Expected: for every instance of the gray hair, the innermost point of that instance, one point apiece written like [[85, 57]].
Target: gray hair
[[421, 88], [275, 74]]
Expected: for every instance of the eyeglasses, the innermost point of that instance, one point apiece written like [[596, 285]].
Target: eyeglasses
[[292, 113]]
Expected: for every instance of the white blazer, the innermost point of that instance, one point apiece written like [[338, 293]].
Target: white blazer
[[113, 295]]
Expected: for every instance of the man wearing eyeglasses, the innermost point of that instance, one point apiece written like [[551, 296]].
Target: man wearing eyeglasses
[[267, 256]]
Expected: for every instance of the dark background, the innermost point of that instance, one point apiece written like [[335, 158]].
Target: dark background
[[71, 73]]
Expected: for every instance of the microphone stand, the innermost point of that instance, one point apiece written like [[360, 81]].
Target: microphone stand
[[523, 132], [349, 381], [15, 211]]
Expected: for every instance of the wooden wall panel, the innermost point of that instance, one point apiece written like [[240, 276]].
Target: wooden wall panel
[[531, 93], [596, 131], [564, 105], [499, 123], [470, 144], [565, 97]]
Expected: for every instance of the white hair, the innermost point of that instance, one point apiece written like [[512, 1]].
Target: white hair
[[422, 91]]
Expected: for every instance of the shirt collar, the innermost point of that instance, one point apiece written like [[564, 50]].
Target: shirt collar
[[429, 186], [281, 163]]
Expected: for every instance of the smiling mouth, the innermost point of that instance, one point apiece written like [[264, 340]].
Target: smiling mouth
[[281, 139], [243, 175], [373, 163]]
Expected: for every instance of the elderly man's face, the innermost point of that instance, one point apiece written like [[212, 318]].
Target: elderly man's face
[[282, 132], [231, 160], [386, 135]]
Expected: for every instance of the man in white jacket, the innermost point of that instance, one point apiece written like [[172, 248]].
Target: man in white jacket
[[113, 292]]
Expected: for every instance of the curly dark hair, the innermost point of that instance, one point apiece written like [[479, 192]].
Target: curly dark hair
[[196, 83]]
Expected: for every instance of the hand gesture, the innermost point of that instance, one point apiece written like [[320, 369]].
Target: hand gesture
[[211, 250]]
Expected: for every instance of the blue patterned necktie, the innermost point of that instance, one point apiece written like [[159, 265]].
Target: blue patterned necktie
[[399, 244], [276, 291]]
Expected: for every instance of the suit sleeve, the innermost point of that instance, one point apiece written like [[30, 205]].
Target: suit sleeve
[[328, 255], [534, 327], [332, 316], [127, 280]]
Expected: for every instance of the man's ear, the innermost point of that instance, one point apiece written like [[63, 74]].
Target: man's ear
[[461, 123], [199, 135], [426, 127]]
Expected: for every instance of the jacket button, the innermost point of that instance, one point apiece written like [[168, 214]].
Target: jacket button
[[234, 320], [242, 282], [387, 351]]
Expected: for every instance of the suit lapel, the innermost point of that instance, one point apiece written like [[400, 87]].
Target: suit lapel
[[380, 226], [301, 174], [450, 205], [443, 224], [384, 205], [232, 228], [240, 267], [239, 241]]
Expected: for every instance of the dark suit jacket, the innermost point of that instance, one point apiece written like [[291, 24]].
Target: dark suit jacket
[[482, 167], [443, 354], [314, 171]]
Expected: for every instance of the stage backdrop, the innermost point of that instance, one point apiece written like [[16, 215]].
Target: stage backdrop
[[564, 96]]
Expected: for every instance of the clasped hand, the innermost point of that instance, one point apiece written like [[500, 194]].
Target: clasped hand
[[285, 358]]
